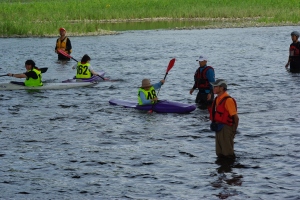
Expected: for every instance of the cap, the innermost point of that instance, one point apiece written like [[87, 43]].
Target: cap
[[219, 82], [62, 29], [201, 58], [146, 83]]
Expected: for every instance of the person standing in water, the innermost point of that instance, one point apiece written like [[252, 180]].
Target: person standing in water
[[63, 43], [225, 120], [202, 77], [294, 56]]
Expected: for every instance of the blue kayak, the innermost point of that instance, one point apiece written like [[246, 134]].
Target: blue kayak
[[162, 106]]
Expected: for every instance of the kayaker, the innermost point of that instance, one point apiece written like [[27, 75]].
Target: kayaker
[[33, 75], [147, 93], [294, 56], [203, 75], [224, 119], [63, 43], [84, 68]]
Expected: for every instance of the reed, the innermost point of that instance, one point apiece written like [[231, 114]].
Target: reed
[[44, 17]]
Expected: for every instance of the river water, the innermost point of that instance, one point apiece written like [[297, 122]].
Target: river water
[[71, 144]]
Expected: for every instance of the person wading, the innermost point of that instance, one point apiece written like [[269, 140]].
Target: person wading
[[202, 77], [63, 43], [294, 56], [224, 119]]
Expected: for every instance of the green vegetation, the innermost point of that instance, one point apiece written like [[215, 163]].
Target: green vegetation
[[87, 17]]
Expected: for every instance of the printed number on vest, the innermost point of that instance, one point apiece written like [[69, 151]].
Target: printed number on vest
[[151, 95], [82, 69]]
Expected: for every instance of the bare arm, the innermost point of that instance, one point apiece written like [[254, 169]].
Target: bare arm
[[17, 75]]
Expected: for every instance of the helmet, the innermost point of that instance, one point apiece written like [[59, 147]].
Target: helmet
[[296, 33], [62, 29]]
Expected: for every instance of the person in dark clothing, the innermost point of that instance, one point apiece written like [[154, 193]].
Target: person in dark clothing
[[63, 43], [202, 78], [294, 56]]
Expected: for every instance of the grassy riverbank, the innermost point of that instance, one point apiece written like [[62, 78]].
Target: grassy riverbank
[[90, 17]]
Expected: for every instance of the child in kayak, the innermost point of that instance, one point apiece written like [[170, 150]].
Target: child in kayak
[[147, 94], [33, 75], [84, 68]]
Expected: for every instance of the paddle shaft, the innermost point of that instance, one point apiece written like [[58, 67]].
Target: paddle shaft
[[43, 70], [171, 64], [160, 87]]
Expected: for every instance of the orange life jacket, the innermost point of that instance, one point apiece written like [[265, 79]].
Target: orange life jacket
[[219, 113]]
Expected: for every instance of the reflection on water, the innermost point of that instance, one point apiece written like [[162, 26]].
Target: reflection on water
[[226, 177], [73, 144]]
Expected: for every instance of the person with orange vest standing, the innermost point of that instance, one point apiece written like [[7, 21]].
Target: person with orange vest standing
[[224, 119], [294, 56], [63, 43], [202, 77]]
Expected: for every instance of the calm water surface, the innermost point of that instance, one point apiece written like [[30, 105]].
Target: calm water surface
[[71, 144]]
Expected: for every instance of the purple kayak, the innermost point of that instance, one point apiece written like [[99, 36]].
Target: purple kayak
[[92, 79], [162, 106]]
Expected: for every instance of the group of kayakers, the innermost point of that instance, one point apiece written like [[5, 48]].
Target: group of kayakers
[[33, 74], [222, 109]]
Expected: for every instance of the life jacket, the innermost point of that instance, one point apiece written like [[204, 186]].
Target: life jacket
[[149, 94], [295, 49], [219, 113], [83, 70], [200, 78], [34, 82], [62, 44]]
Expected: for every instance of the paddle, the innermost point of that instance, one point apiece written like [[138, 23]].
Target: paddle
[[171, 64], [43, 70], [69, 56], [65, 54]]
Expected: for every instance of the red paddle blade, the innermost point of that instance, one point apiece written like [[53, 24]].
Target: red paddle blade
[[171, 64], [64, 53]]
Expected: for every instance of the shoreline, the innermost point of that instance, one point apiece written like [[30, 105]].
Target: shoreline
[[215, 23]]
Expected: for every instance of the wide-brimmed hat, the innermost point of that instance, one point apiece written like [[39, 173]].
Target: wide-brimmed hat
[[146, 83], [219, 82]]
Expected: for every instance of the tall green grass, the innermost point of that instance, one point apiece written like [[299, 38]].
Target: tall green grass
[[44, 17]]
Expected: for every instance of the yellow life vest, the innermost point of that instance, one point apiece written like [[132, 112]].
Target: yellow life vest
[[34, 82], [149, 94], [62, 44], [83, 70]]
